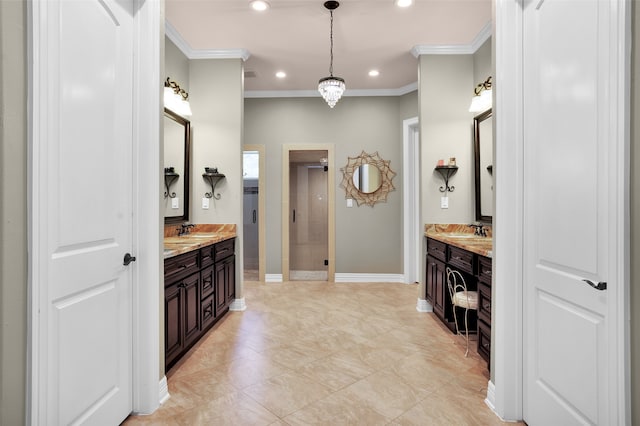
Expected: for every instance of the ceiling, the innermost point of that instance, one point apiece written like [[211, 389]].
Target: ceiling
[[293, 36]]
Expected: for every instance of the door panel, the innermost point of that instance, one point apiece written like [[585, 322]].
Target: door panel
[[567, 152], [87, 170]]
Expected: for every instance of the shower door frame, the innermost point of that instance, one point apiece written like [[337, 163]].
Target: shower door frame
[[331, 194], [262, 262]]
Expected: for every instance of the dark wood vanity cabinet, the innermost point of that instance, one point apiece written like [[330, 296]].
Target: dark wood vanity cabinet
[[193, 286], [484, 308], [476, 270], [182, 316]]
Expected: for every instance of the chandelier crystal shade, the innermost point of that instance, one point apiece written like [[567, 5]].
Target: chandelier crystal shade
[[331, 88]]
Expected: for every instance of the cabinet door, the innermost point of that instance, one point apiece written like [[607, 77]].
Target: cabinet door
[[219, 271], [173, 337], [191, 289], [230, 278], [430, 281], [437, 274]]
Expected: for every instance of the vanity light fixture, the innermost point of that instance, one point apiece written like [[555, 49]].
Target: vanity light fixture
[[331, 88], [482, 97], [176, 99], [403, 3], [259, 5]]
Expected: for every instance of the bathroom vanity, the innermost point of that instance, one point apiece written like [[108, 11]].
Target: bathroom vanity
[[456, 247], [199, 287]]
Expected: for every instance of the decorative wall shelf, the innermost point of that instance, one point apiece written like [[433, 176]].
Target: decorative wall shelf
[[213, 177], [446, 172], [169, 177]]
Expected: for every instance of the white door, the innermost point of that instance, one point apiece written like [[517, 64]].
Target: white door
[[82, 207], [573, 204]]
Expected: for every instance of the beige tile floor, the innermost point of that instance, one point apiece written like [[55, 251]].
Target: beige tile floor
[[311, 353]]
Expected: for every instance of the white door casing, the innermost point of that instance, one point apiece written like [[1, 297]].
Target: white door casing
[[574, 112], [411, 199], [87, 124]]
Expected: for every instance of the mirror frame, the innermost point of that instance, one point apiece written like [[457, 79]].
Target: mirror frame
[[186, 175], [477, 120], [386, 176]]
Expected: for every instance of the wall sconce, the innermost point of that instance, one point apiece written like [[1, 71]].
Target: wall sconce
[[482, 97], [176, 99]]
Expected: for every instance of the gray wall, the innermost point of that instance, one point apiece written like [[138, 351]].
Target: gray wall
[[368, 240], [13, 211], [635, 219], [482, 64], [217, 103], [446, 87], [176, 65]]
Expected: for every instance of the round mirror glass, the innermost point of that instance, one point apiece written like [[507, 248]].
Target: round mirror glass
[[367, 178]]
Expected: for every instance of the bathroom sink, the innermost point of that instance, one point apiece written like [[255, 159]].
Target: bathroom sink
[[203, 235], [460, 235]]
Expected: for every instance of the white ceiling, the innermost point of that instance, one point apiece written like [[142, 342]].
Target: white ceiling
[[293, 36]]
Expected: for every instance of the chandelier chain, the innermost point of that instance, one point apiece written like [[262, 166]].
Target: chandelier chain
[[331, 49]]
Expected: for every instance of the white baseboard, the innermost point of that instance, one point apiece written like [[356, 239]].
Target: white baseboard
[[490, 400], [273, 278], [423, 306], [350, 278], [238, 305], [369, 278], [164, 390]]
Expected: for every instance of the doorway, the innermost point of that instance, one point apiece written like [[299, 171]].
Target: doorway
[[308, 213], [253, 167]]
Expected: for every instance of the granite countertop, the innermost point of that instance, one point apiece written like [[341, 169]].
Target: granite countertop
[[462, 236], [201, 235]]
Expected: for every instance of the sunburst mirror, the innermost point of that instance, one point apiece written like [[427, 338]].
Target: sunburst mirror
[[367, 179]]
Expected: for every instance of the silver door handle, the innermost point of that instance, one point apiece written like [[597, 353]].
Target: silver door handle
[[600, 286]]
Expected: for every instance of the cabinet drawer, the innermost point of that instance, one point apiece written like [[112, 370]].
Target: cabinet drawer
[[180, 266], [206, 256], [461, 259], [437, 249], [484, 341], [484, 270], [223, 249], [484, 303], [206, 282], [207, 312]]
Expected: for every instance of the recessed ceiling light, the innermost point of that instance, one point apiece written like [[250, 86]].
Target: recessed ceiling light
[[403, 3], [374, 73], [259, 5], [281, 74]]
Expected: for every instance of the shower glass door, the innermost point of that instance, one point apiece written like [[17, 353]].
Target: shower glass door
[[250, 216], [308, 218]]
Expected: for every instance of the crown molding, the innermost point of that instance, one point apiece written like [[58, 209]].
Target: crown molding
[[314, 93], [482, 36], [191, 53], [455, 49]]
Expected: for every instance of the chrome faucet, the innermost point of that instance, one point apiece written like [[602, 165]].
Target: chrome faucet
[[185, 229], [479, 230]]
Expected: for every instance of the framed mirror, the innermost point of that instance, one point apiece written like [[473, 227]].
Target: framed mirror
[[177, 150], [367, 179], [483, 153]]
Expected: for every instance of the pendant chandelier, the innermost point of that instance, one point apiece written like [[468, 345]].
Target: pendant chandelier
[[331, 88]]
